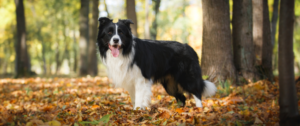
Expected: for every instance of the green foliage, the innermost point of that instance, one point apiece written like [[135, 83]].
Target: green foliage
[[297, 8], [204, 77], [224, 88], [104, 120]]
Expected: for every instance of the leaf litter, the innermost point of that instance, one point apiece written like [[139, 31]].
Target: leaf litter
[[92, 101]]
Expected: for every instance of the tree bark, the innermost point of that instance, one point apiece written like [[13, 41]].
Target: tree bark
[[131, 14], [217, 57], [153, 31], [243, 47], [147, 30], [262, 38], [258, 29], [22, 57], [84, 37], [92, 57], [267, 48], [287, 89]]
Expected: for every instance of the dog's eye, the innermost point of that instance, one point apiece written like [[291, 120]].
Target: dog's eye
[[109, 33]]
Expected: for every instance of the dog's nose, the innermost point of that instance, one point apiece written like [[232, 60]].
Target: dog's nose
[[116, 40]]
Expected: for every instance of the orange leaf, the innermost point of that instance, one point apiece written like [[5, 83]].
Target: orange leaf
[[179, 110], [95, 106], [237, 99], [47, 108], [164, 115]]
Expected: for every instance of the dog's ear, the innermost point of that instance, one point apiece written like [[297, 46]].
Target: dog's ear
[[127, 22], [104, 20]]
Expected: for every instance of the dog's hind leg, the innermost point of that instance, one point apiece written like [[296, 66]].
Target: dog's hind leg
[[180, 97], [173, 89], [198, 101]]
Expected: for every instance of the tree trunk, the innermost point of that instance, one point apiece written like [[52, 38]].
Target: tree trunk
[[57, 55], [154, 24], [262, 38], [147, 30], [131, 14], [287, 89], [267, 48], [92, 60], [75, 50], [243, 47], [84, 36], [258, 29], [217, 57], [22, 57], [274, 21]]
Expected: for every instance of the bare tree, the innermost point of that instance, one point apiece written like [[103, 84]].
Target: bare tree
[[92, 57], [84, 37], [22, 57], [243, 47], [217, 57], [131, 14], [287, 89]]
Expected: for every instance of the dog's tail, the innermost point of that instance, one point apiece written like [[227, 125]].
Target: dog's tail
[[209, 88]]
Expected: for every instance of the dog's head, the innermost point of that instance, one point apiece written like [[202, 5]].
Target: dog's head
[[116, 37]]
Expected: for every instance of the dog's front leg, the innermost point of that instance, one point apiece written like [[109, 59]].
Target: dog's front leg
[[142, 93], [131, 91]]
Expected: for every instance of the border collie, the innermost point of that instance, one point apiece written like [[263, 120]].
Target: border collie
[[135, 64]]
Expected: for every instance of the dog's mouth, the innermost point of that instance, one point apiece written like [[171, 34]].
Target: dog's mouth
[[115, 49]]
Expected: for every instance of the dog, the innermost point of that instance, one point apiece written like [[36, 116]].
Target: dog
[[135, 64]]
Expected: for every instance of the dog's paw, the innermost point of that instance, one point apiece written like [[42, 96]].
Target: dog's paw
[[138, 108], [141, 108]]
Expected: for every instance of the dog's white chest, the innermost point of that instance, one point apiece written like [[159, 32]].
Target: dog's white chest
[[119, 69]]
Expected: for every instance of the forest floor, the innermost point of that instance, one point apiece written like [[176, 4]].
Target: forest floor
[[93, 101]]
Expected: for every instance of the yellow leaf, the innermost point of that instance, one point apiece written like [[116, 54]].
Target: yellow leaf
[[35, 122], [158, 97], [54, 123]]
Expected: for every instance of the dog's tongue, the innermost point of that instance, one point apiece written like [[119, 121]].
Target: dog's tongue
[[114, 51]]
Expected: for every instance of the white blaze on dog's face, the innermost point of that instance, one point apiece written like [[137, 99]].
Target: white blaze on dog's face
[[115, 42]]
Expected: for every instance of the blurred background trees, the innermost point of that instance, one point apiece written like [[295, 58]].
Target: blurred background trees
[[60, 36]]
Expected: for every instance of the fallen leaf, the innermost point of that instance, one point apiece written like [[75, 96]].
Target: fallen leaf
[[179, 110], [164, 115], [257, 121], [54, 123]]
